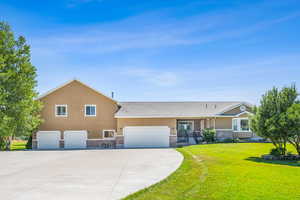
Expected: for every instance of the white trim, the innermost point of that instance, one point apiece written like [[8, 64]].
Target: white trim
[[108, 138], [91, 105], [174, 116], [245, 112], [70, 81], [239, 125], [220, 129], [235, 106], [61, 105]]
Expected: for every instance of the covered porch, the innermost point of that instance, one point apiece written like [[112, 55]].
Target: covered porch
[[190, 130]]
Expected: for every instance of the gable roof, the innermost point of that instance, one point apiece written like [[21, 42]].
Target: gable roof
[[69, 82], [174, 109], [229, 108]]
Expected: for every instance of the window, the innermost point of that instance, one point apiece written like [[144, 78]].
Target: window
[[108, 134], [235, 124], [240, 125], [244, 125], [90, 110], [61, 111]]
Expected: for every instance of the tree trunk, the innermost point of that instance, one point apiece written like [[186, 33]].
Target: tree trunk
[[7, 143], [284, 147]]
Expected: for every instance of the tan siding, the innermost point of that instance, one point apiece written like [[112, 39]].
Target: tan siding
[[224, 123], [236, 111], [122, 122], [244, 115], [76, 95]]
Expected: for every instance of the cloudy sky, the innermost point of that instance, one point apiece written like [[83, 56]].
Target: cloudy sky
[[162, 50]]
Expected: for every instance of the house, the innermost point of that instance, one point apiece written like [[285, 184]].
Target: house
[[78, 116]]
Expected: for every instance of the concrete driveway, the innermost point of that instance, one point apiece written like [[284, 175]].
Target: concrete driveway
[[83, 174]]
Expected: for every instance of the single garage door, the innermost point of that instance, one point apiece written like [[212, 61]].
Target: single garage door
[[146, 136], [75, 139], [48, 139]]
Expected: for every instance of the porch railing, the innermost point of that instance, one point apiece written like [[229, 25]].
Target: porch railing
[[184, 136]]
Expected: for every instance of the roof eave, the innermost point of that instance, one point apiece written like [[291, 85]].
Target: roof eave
[[68, 82], [171, 116]]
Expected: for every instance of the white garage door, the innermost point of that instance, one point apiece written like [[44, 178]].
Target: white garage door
[[48, 139], [146, 136], [75, 139]]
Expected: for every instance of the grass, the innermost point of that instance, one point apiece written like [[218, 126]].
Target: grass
[[18, 145], [227, 172]]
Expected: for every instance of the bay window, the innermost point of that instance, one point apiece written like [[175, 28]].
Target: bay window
[[240, 125]]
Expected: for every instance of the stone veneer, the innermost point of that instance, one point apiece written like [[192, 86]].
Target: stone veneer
[[101, 143], [119, 141], [173, 140], [34, 144], [224, 134]]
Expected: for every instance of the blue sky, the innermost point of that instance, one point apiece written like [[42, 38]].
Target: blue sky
[[162, 50]]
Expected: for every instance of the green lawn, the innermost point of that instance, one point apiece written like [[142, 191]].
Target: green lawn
[[227, 172], [18, 145]]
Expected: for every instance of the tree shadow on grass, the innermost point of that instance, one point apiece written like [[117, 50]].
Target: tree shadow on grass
[[294, 163]]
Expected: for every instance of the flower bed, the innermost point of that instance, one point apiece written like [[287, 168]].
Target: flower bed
[[281, 157]]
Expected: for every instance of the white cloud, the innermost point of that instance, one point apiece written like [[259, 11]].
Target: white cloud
[[137, 33]]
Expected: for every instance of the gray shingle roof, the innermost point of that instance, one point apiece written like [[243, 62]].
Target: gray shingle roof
[[173, 109]]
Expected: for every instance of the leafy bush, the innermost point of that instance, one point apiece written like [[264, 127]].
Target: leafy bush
[[275, 152], [230, 140], [236, 140], [227, 140], [209, 135]]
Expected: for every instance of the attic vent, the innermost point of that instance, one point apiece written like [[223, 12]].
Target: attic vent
[[205, 105], [215, 105]]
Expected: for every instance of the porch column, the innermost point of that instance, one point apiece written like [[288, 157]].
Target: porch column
[[214, 123], [202, 124]]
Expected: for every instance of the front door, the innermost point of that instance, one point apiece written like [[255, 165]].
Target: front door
[[185, 127]]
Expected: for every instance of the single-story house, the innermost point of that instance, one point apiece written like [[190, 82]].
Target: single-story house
[[78, 116]]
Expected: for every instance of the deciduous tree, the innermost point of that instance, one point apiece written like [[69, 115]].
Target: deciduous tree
[[267, 121], [291, 121], [19, 111]]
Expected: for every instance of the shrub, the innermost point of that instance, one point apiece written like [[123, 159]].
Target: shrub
[[227, 140], [209, 135], [236, 140], [275, 152]]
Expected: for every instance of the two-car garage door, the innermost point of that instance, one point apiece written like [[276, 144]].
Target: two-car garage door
[[146, 136], [51, 139]]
